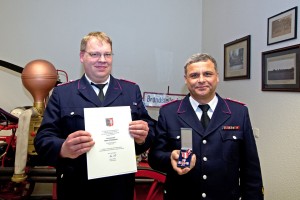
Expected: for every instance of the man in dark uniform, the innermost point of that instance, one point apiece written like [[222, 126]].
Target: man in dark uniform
[[62, 141], [225, 163]]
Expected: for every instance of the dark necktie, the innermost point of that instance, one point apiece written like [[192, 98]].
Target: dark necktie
[[204, 118], [100, 87]]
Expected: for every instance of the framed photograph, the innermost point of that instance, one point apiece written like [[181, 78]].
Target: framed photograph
[[237, 59], [283, 26], [280, 69]]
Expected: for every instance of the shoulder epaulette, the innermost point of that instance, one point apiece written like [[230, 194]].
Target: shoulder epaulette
[[170, 102], [236, 101], [65, 83], [128, 81]]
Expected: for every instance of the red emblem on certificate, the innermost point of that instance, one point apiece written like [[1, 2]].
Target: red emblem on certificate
[[109, 121]]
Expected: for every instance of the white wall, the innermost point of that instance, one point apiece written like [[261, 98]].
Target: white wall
[[151, 40], [275, 114]]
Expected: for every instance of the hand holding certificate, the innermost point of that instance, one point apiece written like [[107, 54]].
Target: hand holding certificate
[[114, 151]]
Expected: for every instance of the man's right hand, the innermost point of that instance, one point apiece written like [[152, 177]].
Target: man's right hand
[[76, 144], [174, 159]]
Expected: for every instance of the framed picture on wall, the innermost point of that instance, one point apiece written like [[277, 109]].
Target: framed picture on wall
[[237, 59], [280, 69], [283, 26]]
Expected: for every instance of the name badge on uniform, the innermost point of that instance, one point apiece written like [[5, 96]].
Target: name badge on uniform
[[186, 148]]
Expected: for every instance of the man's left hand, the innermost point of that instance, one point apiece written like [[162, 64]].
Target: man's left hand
[[139, 130]]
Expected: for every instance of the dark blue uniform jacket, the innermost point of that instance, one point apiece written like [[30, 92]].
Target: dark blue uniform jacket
[[227, 162], [64, 114]]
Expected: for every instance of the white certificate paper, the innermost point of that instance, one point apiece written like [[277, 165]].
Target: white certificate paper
[[114, 151]]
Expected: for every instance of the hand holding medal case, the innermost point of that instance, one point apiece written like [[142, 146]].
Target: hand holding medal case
[[185, 154]]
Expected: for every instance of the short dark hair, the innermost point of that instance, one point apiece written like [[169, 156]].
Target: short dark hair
[[198, 57]]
